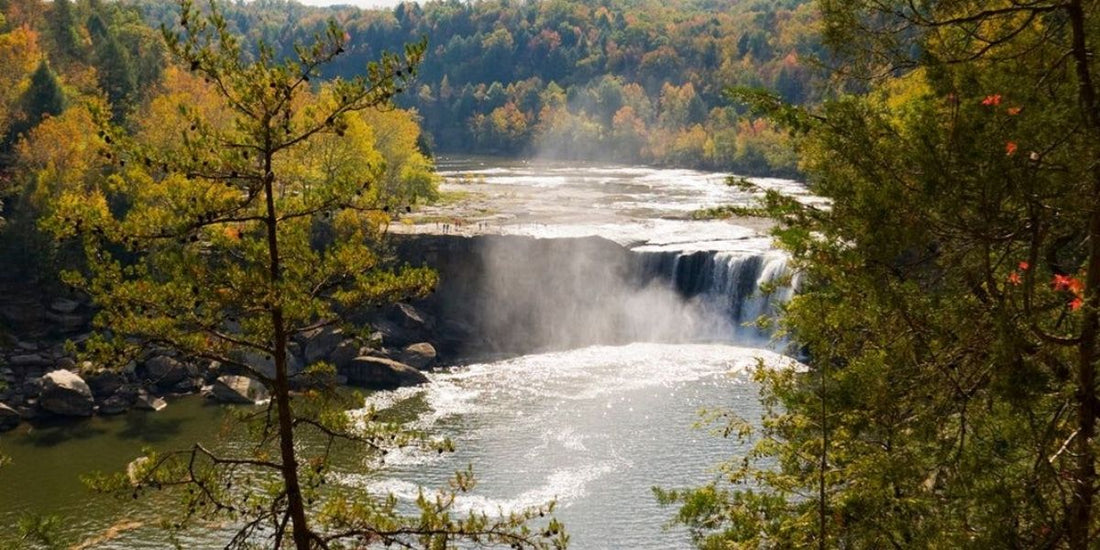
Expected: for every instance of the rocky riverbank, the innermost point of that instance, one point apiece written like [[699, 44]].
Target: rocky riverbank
[[41, 378]]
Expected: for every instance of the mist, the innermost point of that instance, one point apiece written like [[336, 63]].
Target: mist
[[514, 294]]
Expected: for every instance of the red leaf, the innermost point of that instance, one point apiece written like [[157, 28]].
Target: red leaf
[[992, 100], [1061, 282], [1010, 148]]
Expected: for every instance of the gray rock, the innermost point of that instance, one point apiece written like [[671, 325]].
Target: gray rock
[[104, 383], [9, 418], [28, 411], [64, 393], [407, 316], [381, 373], [64, 305], [67, 363], [344, 354], [265, 364], [31, 360], [239, 389], [148, 402], [320, 343], [394, 334], [67, 322], [27, 346], [116, 404], [165, 371], [32, 387], [420, 356], [187, 385]]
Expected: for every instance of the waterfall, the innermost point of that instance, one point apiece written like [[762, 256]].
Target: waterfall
[[515, 294], [737, 287]]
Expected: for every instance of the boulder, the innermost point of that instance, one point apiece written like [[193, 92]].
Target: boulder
[[135, 470], [407, 317], [116, 404], [149, 402], [239, 389], [67, 322], [29, 411], [64, 393], [185, 386], [31, 360], [265, 364], [165, 371], [9, 418], [381, 373], [64, 305], [104, 383], [344, 354], [420, 356], [320, 343]]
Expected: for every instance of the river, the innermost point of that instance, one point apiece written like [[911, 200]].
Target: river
[[593, 424]]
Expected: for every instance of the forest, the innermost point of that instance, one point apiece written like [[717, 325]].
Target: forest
[[632, 81], [218, 182]]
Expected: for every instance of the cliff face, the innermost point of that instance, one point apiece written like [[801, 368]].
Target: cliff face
[[518, 294]]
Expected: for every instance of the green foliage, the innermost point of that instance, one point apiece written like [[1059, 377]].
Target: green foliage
[[246, 209], [65, 29], [116, 75], [43, 98], [948, 303], [641, 78], [38, 532]]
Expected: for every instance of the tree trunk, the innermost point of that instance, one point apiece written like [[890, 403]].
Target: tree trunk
[[1084, 486], [295, 506]]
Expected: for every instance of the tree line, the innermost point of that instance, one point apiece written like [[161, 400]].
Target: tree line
[[621, 80]]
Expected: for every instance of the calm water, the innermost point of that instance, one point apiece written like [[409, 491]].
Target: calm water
[[594, 428]]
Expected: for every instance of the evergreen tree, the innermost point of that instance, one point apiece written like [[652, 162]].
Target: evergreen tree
[[64, 27], [117, 76], [44, 97], [250, 214], [949, 310]]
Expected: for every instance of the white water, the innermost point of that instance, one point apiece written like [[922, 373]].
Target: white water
[[596, 428], [593, 428]]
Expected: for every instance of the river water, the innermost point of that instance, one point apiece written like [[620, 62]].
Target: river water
[[594, 428]]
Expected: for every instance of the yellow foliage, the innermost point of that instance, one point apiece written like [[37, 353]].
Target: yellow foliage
[[62, 152]]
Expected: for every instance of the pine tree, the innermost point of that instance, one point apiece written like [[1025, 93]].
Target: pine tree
[[44, 97], [64, 29], [951, 294], [117, 76], [220, 242]]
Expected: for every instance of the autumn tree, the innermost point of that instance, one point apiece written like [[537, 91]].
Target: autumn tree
[[247, 214], [949, 303]]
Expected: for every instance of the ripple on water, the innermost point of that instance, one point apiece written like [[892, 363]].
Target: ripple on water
[[593, 428]]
